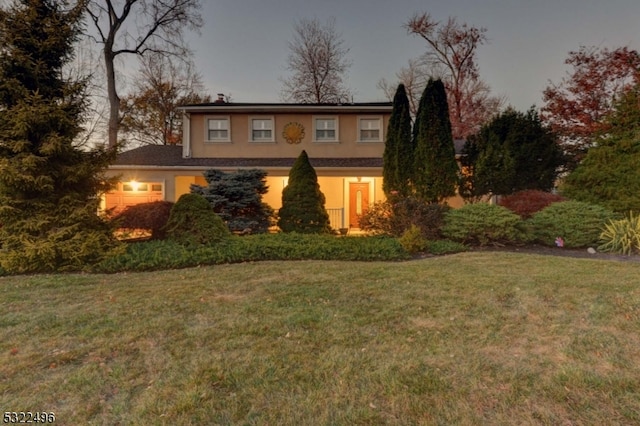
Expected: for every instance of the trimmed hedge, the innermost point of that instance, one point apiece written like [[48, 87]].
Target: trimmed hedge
[[158, 255]]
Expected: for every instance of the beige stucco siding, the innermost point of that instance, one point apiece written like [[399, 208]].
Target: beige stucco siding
[[334, 186], [347, 145]]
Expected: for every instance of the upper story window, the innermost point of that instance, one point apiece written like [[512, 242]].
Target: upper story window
[[261, 129], [325, 129], [218, 130], [370, 129]]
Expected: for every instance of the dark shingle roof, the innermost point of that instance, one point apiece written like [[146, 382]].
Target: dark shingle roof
[[171, 156]]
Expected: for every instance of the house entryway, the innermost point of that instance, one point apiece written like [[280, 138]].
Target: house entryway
[[358, 201]]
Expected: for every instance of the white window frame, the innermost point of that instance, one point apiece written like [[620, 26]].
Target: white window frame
[[269, 119], [207, 129], [380, 129], [336, 129]]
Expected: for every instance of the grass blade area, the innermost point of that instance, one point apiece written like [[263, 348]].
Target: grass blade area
[[473, 338]]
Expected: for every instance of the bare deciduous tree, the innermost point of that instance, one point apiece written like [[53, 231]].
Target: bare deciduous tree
[[149, 113], [450, 56], [137, 27], [318, 63], [414, 77]]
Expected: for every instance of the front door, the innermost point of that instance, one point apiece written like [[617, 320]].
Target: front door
[[358, 201]]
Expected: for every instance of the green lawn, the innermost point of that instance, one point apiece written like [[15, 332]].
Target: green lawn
[[473, 338]]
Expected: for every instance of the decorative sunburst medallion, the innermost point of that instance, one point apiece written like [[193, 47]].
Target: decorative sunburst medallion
[[293, 133]]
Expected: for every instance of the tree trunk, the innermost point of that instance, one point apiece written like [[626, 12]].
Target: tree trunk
[[114, 100]]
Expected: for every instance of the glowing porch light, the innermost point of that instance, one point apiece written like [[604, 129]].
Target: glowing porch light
[[134, 185]]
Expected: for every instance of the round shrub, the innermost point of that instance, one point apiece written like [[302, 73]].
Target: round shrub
[[526, 203], [193, 221], [482, 224], [579, 224]]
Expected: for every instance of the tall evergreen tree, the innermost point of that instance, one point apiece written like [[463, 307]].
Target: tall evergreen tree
[[609, 174], [513, 152], [398, 150], [49, 189], [435, 171], [302, 201]]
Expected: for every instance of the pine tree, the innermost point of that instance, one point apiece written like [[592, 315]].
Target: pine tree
[[49, 188], [435, 171], [237, 199], [302, 201], [398, 150], [609, 174]]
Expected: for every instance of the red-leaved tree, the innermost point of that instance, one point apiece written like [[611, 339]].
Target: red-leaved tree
[[576, 107]]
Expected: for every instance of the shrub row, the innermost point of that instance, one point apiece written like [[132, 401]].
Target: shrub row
[[577, 224], [169, 254]]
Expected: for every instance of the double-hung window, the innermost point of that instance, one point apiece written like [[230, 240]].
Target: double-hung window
[[326, 129], [218, 130], [369, 129], [261, 129]]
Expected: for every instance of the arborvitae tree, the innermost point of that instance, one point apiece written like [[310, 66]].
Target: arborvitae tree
[[609, 174], [302, 201], [514, 152], [49, 188], [237, 199], [398, 150], [435, 171]]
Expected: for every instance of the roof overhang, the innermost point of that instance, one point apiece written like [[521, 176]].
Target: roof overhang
[[276, 170], [380, 108]]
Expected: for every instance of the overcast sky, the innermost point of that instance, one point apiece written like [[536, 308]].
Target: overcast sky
[[242, 49]]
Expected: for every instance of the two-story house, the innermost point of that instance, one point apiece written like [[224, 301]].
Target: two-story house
[[344, 142]]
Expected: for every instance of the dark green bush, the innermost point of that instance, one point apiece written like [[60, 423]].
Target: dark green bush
[[439, 247], [168, 254], [483, 224], [193, 221], [303, 204], [151, 216], [579, 224]]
